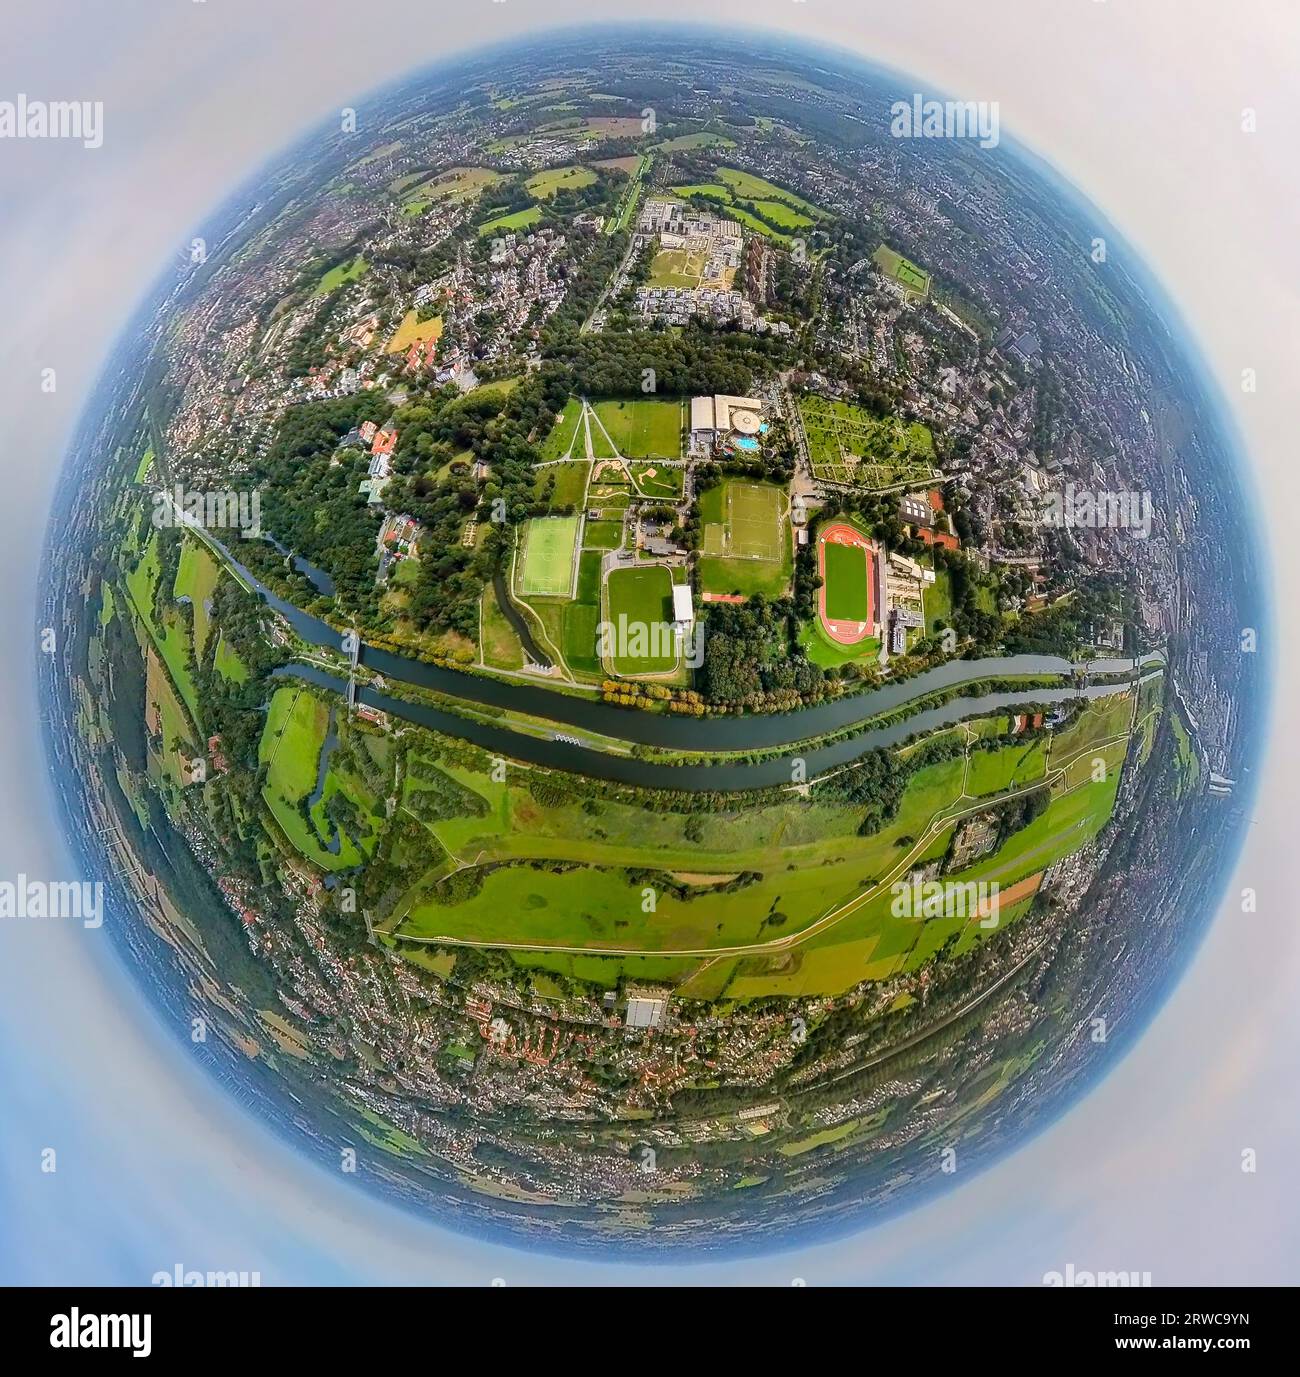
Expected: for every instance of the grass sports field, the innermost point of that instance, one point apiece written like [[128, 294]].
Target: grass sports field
[[646, 428], [645, 598], [746, 545], [846, 583], [846, 610], [547, 569]]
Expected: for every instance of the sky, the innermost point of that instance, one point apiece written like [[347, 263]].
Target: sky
[[1139, 104]]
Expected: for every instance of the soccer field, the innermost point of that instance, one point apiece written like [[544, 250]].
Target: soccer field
[[548, 556], [746, 546], [754, 521], [846, 582], [644, 428], [645, 598]]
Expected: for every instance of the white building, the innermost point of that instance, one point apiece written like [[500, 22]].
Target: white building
[[683, 612]]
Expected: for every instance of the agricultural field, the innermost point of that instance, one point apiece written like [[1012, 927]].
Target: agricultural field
[[901, 269], [646, 428], [546, 565], [543, 185], [413, 330], [847, 444], [196, 580], [746, 541], [170, 639], [645, 598]]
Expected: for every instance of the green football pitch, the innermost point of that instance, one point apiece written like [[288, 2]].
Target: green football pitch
[[548, 556], [846, 583]]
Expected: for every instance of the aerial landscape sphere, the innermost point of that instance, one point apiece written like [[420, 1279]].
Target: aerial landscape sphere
[[658, 643]]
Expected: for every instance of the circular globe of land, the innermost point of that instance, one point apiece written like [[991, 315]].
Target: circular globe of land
[[597, 664]]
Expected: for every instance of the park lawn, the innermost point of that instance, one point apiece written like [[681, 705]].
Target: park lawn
[[784, 215], [821, 650], [1099, 720], [517, 220], [458, 184], [901, 269], [353, 850], [602, 535], [196, 579], [543, 185], [563, 485], [344, 272], [645, 428], [676, 268], [659, 481], [559, 444], [937, 598], [295, 730], [227, 662], [645, 598], [547, 564], [498, 644], [759, 189], [992, 772], [143, 467], [846, 582]]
